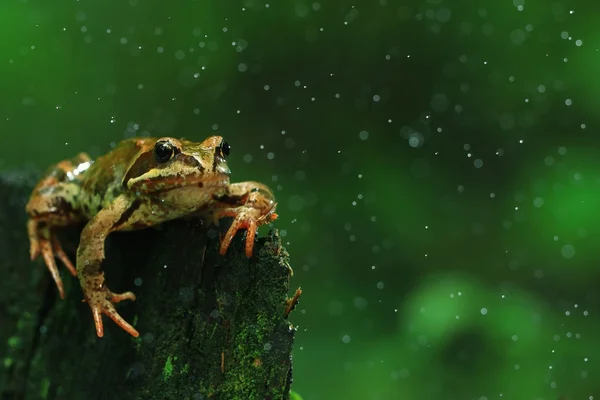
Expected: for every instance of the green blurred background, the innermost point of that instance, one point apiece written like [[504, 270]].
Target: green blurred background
[[435, 164]]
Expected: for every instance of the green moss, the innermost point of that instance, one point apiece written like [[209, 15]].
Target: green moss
[[44, 388], [168, 368], [24, 321], [14, 341], [7, 362], [138, 344]]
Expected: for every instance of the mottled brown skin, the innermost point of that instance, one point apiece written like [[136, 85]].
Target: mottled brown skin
[[142, 182]]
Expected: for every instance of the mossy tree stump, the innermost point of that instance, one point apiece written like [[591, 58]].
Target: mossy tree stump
[[211, 327]]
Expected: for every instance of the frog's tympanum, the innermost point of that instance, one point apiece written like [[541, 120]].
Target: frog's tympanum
[[142, 182]]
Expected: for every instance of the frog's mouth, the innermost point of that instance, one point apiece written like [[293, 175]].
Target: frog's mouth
[[203, 182], [166, 183]]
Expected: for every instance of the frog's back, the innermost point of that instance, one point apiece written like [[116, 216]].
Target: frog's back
[[103, 181]]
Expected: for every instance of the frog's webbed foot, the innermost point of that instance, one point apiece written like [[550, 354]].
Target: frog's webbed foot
[[101, 302], [44, 241], [256, 210]]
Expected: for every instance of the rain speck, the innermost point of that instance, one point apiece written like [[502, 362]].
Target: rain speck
[[567, 251]]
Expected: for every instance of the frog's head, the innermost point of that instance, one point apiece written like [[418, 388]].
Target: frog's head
[[168, 163]]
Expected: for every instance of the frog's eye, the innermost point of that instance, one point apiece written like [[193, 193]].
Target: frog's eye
[[224, 149], [163, 151]]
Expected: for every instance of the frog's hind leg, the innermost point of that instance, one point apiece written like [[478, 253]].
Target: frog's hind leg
[[44, 242], [52, 205]]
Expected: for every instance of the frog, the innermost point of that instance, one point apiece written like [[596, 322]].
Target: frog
[[140, 183]]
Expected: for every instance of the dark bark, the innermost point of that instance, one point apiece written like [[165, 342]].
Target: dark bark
[[210, 326]]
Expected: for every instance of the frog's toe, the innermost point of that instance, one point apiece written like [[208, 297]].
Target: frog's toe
[[48, 255], [118, 297], [240, 222], [114, 315], [34, 249], [61, 255], [97, 314], [34, 243], [250, 234]]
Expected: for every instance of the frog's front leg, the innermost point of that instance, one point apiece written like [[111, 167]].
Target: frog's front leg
[[90, 254], [251, 204]]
